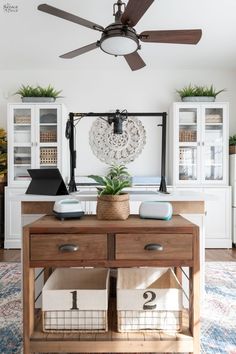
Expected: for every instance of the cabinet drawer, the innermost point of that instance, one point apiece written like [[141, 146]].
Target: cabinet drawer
[[68, 247], [153, 246]]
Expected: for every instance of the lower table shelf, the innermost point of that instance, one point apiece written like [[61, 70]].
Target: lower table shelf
[[112, 341]]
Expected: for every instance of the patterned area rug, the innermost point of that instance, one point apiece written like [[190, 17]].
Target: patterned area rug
[[218, 322], [10, 308]]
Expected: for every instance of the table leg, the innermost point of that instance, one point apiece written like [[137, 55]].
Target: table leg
[[194, 297], [178, 273], [28, 295]]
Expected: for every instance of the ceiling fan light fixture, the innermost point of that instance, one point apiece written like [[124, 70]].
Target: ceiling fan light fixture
[[118, 45], [119, 40]]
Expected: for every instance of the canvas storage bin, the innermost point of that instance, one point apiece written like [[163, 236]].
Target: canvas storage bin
[[187, 117], [148, 299], [23, 119], [76, 299]]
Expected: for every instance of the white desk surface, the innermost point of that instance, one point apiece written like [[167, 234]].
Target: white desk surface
[[136, 196]]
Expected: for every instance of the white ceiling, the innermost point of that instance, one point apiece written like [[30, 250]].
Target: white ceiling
[[31, 39]]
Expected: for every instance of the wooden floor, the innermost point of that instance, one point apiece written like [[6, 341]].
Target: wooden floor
[[212, 255]]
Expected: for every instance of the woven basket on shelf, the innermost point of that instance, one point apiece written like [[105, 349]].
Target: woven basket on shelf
[[187, 135], [48, 137], [113, 207]]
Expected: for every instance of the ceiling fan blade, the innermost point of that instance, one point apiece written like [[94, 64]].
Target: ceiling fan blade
[[176, 36], [69, 17], [134, 10], [79, 51], [135, 61]]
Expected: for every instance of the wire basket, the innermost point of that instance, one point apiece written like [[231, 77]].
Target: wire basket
[[75, 321], [134, 321], [76, 300], [148, 299]]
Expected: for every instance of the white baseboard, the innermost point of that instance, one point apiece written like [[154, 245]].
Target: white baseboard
[[12, 244], [218, 243]]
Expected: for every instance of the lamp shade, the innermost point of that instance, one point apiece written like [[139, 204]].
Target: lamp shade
[[119, 45]]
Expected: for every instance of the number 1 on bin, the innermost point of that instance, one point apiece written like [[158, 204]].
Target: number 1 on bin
[[74, 300]]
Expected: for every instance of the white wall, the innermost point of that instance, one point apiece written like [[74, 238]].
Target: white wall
[[105, 90]]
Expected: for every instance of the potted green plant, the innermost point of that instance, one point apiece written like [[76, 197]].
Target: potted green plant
[[232, 144], [38, 93], [198, 93], [112, 201]]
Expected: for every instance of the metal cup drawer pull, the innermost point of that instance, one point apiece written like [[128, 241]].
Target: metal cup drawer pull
[[153, 247], [68, 248]]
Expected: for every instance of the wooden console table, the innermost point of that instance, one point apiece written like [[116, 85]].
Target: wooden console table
[[110, 244]]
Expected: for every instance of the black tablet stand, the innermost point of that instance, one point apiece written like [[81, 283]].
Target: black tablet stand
[[46, 181]]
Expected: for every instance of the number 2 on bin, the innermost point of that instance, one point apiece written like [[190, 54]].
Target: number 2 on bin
[[152, 298]]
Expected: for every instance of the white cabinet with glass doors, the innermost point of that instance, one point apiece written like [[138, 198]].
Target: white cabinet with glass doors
[[200, 143], [36, 139]]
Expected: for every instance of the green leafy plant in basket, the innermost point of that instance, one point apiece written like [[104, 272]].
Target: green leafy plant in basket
[[232, 140], [114, 182], [112, 201], [232, 144]]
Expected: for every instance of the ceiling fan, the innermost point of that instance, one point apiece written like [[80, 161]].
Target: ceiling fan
[[120, 37]]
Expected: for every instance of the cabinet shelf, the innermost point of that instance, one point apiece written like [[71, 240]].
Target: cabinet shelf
[[187, 124], [112, 341], [22, 124], [48, 144], [22, 145], [187, 164], [48, 124], [187, 144], [214, 124]]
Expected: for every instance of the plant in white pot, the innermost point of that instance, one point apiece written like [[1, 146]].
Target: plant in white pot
[[112, 201], [198, 93], [38, 93]]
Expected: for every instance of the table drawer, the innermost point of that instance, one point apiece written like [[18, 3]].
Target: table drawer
[[68, 247], [154, 246]]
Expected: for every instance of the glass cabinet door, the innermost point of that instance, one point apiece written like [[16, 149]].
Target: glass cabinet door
[[48, 137], [22, 146], [213, 144], [188, 146]]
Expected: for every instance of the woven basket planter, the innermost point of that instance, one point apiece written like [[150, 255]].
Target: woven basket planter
[[113, 207], [232, 149]]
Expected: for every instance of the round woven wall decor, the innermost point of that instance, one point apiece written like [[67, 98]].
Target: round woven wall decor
[[117, 148]]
